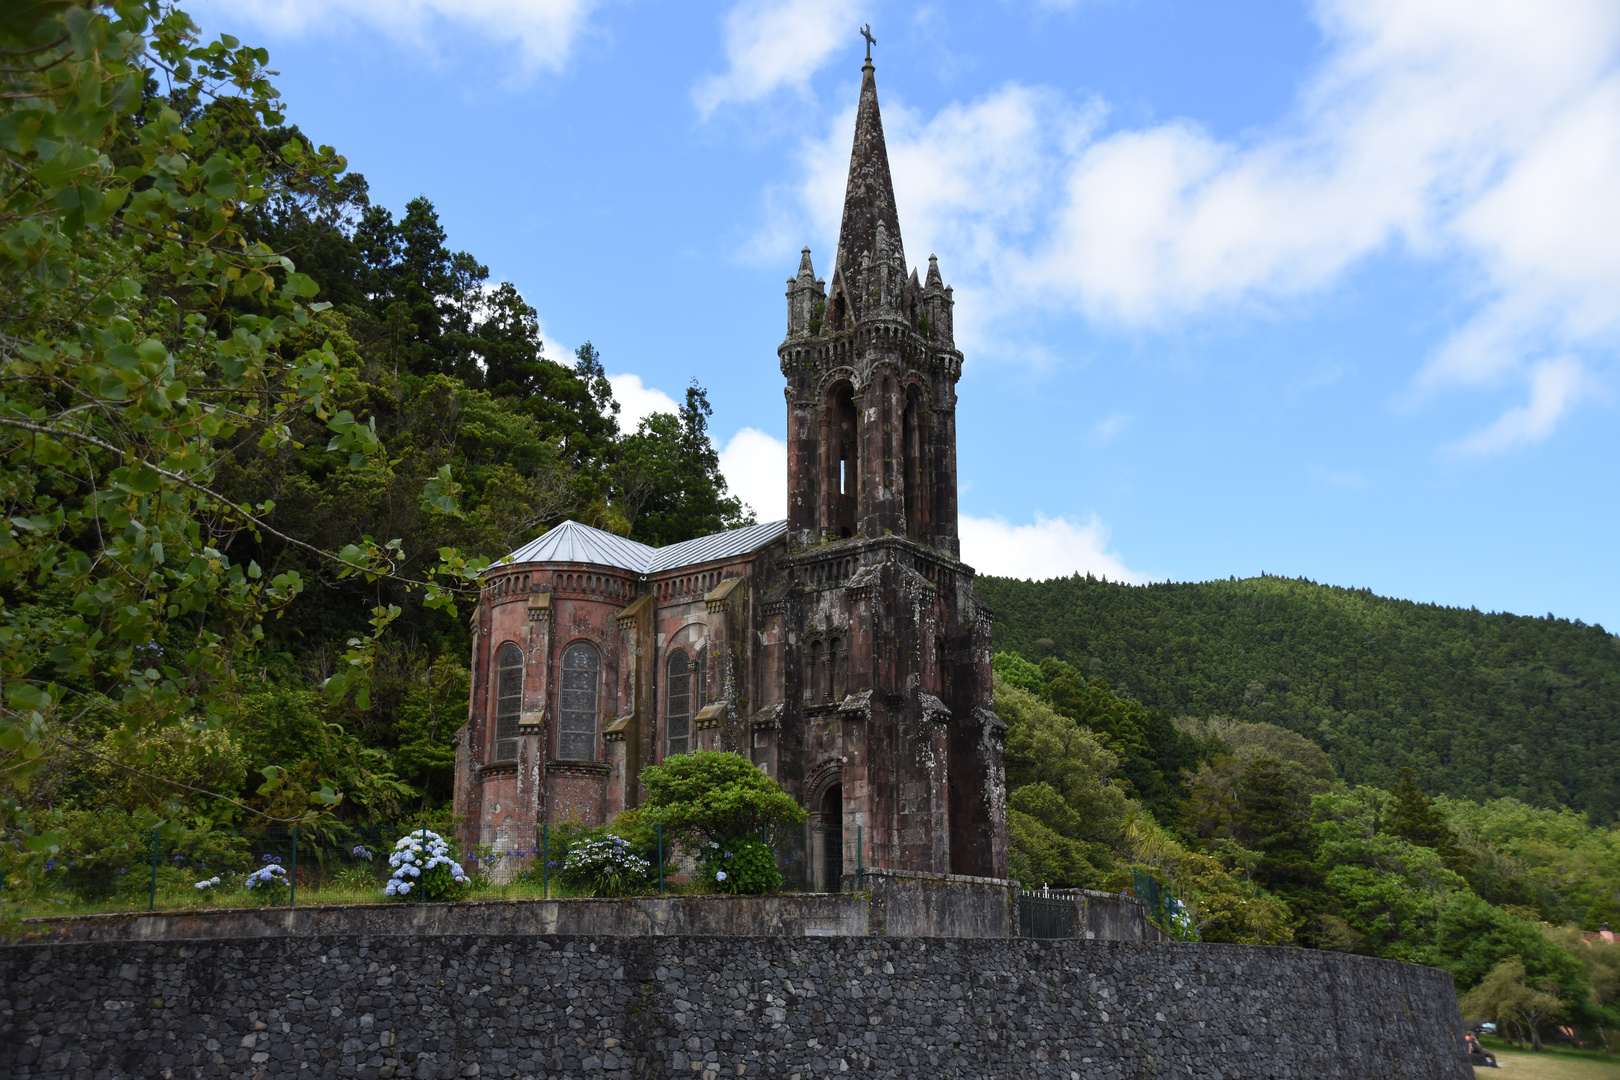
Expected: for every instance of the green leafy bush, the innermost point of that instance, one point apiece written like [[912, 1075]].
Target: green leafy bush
[[710, 795], [746, 865]]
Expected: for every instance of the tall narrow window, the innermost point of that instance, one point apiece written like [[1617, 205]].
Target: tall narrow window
[[700, 681], [508, 700], [912, 475], [835, 669], [678, 703], [577, 703]]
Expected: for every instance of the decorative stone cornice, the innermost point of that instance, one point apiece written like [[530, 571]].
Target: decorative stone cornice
[[634, 608], [718, 596], [857, 706], [769, 718], [577, 768]]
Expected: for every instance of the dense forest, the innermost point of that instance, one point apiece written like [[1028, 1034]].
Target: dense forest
[[258, 436], [1480, 705]]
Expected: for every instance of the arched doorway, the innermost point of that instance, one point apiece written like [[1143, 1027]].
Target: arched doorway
[[832, 839]]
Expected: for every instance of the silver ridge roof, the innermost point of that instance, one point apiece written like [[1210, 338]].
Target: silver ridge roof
[[576, 543]]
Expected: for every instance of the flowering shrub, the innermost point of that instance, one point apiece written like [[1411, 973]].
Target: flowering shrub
[[739, 866], [424, 863], [1178, 920], [205, 885], [270, 882], [606, 866]]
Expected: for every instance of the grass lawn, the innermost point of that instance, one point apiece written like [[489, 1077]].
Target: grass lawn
[[1560, 1064], [172, 899]]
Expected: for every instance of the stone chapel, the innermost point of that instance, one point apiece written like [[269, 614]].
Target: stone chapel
[[842, 650]]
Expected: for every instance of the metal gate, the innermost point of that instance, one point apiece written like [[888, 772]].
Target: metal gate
[[832, 863], [1047, 917]]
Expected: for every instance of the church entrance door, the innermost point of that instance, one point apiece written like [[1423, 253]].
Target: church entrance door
[[832, 838]]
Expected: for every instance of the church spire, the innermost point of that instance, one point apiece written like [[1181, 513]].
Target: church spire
[[869, 194]]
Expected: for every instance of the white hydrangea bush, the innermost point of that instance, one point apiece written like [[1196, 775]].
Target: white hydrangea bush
[[425, 868], [606, 866]]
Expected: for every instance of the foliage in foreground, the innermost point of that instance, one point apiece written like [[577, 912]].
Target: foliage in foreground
[[243, 492]]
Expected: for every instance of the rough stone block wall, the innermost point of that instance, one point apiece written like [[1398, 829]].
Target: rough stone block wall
[[446, 1006]]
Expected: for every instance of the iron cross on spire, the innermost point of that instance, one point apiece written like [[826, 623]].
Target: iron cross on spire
[[866, 32]]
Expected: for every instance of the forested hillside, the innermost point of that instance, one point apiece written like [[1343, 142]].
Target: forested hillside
[[258, 435], [1480, 705]]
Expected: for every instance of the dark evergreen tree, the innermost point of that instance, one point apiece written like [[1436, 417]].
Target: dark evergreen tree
[[668, 482], [426, 293]]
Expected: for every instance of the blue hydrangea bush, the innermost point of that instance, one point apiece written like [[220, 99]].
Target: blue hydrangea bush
[[425, 868], [606, 866], [269, 883], [746, 865]]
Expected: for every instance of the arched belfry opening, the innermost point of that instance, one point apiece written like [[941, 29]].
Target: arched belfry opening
[[843, 461]]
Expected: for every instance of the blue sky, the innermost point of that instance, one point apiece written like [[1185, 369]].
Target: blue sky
[[1328, 290]]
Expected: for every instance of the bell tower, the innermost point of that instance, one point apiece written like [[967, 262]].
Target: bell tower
[[871, 367]]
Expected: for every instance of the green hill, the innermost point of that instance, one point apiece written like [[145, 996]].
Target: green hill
[[1481, 705]]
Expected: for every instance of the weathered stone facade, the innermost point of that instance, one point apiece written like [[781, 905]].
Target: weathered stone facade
[[444, 1007], [843, 651]]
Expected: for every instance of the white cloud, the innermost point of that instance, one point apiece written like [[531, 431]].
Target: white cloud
[[776, 44], [1107, 428], [1048, 548], [1481, 132], [637, 400], [1342, 478], [544, 31], [1555, 385], [755, 467]]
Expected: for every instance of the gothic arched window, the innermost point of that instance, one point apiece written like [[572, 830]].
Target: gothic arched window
[[508, 700], [678, 703], [577, 703]]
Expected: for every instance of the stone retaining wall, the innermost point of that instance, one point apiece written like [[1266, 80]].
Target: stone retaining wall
[[464, 1006], [895, 904]]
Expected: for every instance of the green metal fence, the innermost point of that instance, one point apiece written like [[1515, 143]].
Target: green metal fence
[[172, 868]]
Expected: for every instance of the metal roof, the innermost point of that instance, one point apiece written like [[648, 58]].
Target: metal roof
[[573, 542], [722, 545]]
